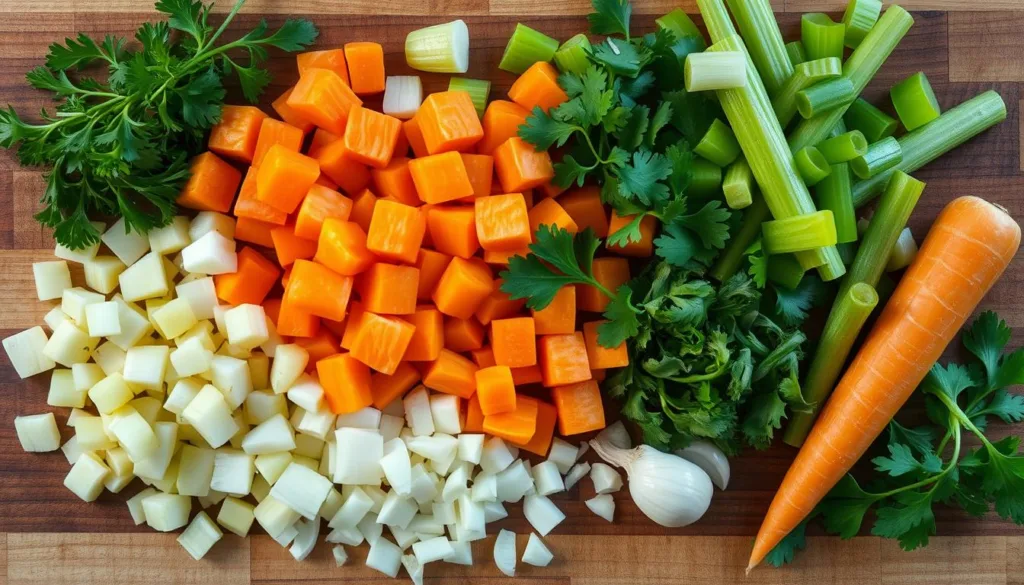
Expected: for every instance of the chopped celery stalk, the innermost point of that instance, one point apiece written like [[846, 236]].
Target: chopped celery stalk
[[903, 252], [709, 71], [757, 130], [859, 68], [812, 165], [761, 35], [403, 95], [873, 123], [526, 47], [849, 314], [859, 17], [804, 75], [881, 156], [795, 52], [718, 144], [785, 271], [862, 226], [738, 184], [915, 101], [843, 148], [822, 37], [922, 146], [680, 25], [848, 252], [442, 48], [705, 178], [478, 90], [835, 193], [732, 257], [799, 233], [825, 96], [716, 19], [572, 55]]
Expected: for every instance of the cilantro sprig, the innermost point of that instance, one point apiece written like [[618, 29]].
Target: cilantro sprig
[[121, 146]]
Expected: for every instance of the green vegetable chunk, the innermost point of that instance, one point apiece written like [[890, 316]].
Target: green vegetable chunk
[[821, 36], [880, 156], [844, 147], [873, 123], [799, 233], [915, 101], [525, 47], [812, 165], [825, 96], [761, 35]]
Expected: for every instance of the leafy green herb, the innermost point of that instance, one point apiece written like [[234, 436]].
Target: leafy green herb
[[122, 147]]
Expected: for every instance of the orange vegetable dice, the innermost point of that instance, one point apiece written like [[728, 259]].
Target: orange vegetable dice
[[452, 374], [483, 357], [580, 409], [449, 122], [502, 222], [563, 359], [520, 167], [346, 383], [560, 316], [251, 281], [290, 247], [518, 425], [387, 388], [401, 145], [382, 341], [474, 416], [453, 230], [411, 129], [389, 289], [538, 86], [428, 339], [254, 231], [294, 321], [320, 346], [396, 231], [585, 208], [342, 248], [320, 204], [495, 390], [502, 120], [498, 305], [249, 206], [527, 375], [323, 98], [550, 189], [365, 67], [363, 205], [288, 113], [514, 342], [599, 375], [212, 184], [463, 286], [432, 265], [395, 181], [480, 168], [463, 335], [601, 357], [352, 323], [610, 272], [333, 59], [284, 178], [549, 212], [440, 178], [321, 138], [273, 132], [370, 136], [235, 136], [643, 248], [336, 162], [501, 256], [319, 290], [540, 443]]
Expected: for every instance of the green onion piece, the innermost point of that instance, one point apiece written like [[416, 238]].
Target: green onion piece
[[873, 123], [844, 147], [572, 55], [738, 184], [799, 233], [709, 71], [478, 90], [903, 253], [804, 75], [835, 193], [757, 129], [859, 68], [881, 156], [785, 271], [442, 48], [822, 37], [760, 33], [730, 260], [705, 178], [859, 17], [795, 52], [680, 25], [716, 19], [922, 146], [718, 144], [849, 314], [825, 96], [812, 165], [915, 101], [526, 47]]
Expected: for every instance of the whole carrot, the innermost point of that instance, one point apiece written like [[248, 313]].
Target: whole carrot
[[967, 249]]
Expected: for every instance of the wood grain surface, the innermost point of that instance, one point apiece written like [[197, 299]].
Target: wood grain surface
[[48, 536]]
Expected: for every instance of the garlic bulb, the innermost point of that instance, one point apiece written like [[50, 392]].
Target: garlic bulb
[[711, 459]]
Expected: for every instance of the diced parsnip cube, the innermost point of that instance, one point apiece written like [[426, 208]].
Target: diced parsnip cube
[[358, 457], [547, 479], [370, 528], [390, 426], [308, 446], [339, 554], [536, 553], [232, 472], [403, 538], [218, 317], [274, 339], [102, 273], [102, 319], [195, 471], [417, 412], [203, 331], [38, 433], [306, 392], [84, 376], [485, 487], [69, 345], [150, 408], [563, 454], [145, 366], [181, 395], [208, 221], [606, 479], [432, 549], [119, 462], [210, 254], [305, 539], [127, 246], [455, 484], [259, 370], [167, 512], [236, 515], [152, 305], [261, 405], [246, 325], [109, 357], [364, 418], [444, 409], [462, 553], [155, 467], [25, 350], [86, 477], [424, 488], [134, 433], [91, 436], [413, 568], [174, 318], [471, 447], [170, 238], [235, 351], [384, 556], [331, 504], [111, 393], [397, 466], [243, 428], [63, 391], [231, 377], [275, 516], [54, 317], [52, 278], [302, 489], [260, 488], [146, 279], [496, 455], [352, 511], [72, 450], [272, 465], [542, 514], [81, 255], [316, 424], [138, 514], [471, 521], [494, 511], [191, 358], [134, 324], [271, 436], [76, 414], [514, 482], [435, 448], [75, 300], [443, 512], [200, 295], [212, 499], [200, 536]]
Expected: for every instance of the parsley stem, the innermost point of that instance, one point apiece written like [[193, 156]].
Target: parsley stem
[[955, 422], [224, 25], [701, 377]]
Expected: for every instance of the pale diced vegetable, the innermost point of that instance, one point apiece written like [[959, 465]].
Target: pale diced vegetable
[[110, 393], [54, 317], [350, 536], [445, 412], [167, 512], [72, 450], [69, 345], [128, 246], [134, 433], [340, 556], [563, 454], [102, 272], [74, 301], [155, 466], [201, 296], [272, 465], [52, 278], [195, 471], [455, 484], [606, 479], [210, 254], [496, 456], [364, 418], [145, 279], [236, 515], [289, 365], [308, 446], [38, 433], [397, 510], [370, 528], [181, 394], [417, 412], [261, 405], [402, 96], [331, 504], [191, 357], [603, 505], [505, 552], [302, 490], [271, 436], [259, 370], [462, 553], [485, 487], [232, 472], [542, 514], [25, 350], [307, 393], [246, 326], [397, 467], [305, 539], [207, 221], [86, 477], [85, 375], [356, 506], [317, 424], [174, 318], [384, 556], [275, 516], [146, 366], [359, 453], [514, 482], [471, 447], [138, 514], [432, 549], [102, 319], [134, 325], [211, 417], [471, 519], [578, 472], [170, 238], [287, 535], [435, 448], [212, 499], [231, 375], [81, 255], [200, 536], [547, 479], [424, 488], [90, 434], [413, 567], [537, 553], [63, 391]]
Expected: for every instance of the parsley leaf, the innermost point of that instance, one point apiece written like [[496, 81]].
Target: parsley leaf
[[786, 550], [902, 461], [639, 179], [543, 131], [622, 320], [792, 305], [676, 244], [610, 17]]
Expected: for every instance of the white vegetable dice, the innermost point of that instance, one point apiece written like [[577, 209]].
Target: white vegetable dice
[[127, 246], [52, 278], [207, 221], [38, 432], [200, 294], [246, 326], [25, 350], [86, 477], [537, 553], [170, 238], [359, 453], [146, 279], [69, 345], [102, 273], [145, 366], [167, 512], [103, 319], [210, 254], [209, 414], [403, 95], [200, 536]]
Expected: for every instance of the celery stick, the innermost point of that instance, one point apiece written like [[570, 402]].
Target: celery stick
[[761, 35], [526, 47], [572, 55], [915, 101], [812, 165], [859, 69], [795, 52], [821, 36], [681, 25], [785, 271], [478, 90], [442, 48], [825, 96], [738, 184], [718, 144], [843, 148], [705, 178], [873, 123], [848, 252], [709, 71], [835, 193], [804, 75], [849, 314], [922, 146], [731, 258], [881, 156], [903, 253], [799, 233], [716, 20], [859, 17]]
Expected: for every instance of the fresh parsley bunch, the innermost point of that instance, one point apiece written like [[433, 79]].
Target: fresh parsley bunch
[[121, 147]]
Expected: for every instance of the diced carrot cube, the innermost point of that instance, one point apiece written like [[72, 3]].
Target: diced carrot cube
[[289, 114], [549, 212], [611, 273], [251, 282], [452, 374], [563, 359], [514, 342], [320, 204], [518, 425], [324, 181], [550, 189], [290, 247], [389, 289], [480, 168], [248, 204], [382, 341], [321, 138], [235, 136], [474, 416], [336, 163], [540, 443], [286, 275], [601, 357], [411, 129], [580, 409], [342, 248], [319, 290], [387, 388], [346, 383], [323, 98], [463, 286], [254, 231], [294, 321], [520, 167], [370, 136], [396, 231], [483, 357], [502, 222], [333, 59], [274, 132], [352, 323], [527, 375], [284, 178], [432, 265], [212, 184], [642, 248], [538, 86], [365, 67], [440, 177], [560, 316], [495, 390], [320, 346], [498, 305], [502, 120], [463, 335], [585, 208], [501, 256], [401, 145], [363, 204], [428, 339], [453, 230], [272, 307], [449, 122], [395, 181]]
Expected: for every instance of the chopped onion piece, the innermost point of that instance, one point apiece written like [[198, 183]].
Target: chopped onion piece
[[546, 478], [436, 448], [350, 536], [485, 487], [200, 536], [414, 568], [417, 412], [397, 510], [434, 549], [445, 411], [340, 556], [496, 456], [471, 447], [542, 514], [537, 553], [462, 553], [514, 482], [397, 467], [384, 556], [442, 48], [606, 479], [455, 485], [602, 505], [494, 511], [563, 454], [505, 552], [403, 95], [305, 540]]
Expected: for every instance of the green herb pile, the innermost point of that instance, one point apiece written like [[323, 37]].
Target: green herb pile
[[121, 146]]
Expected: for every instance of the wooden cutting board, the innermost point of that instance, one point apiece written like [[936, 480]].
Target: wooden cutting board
[[48, 536]]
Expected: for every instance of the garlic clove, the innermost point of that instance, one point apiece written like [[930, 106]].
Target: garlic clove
[[711, 459]]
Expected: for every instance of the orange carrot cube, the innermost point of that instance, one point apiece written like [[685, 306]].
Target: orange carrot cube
[[289, 114], [527, 375], [483, 357], [453, 230], [389, 289], [610, 272], [498, 305], [520, 167], [395, 181], [642, 248], [540, 443], [579, 406], [462, 335], [396, 231], [321, 138], [560, 316], [294, 321], [290, 247], [563, 359], [370, 136], [452, 374], [601, 357], [249, 206], [411, 129], [502, 222], [474, 416], [336, 162], [440, 177], [323, 98], [235, 136], [352, 323], [274, 132], [254, 231], [585, 208], [320, 346], [514, 342], [387, 388], [342, 248], [284, 178], [495, 390], [382, 341], [538, 86], [480, 168], [319, 205], [346, 383], [449, 122], [333, 59], [428, 339], [517, 425], [549, 212], [502, 120], [212, 184], [251, 282], [365, 67], [363, 204], [463, 286], [432, 265], [319, 290]]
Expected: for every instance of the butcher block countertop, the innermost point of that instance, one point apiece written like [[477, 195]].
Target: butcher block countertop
[[48, 536]]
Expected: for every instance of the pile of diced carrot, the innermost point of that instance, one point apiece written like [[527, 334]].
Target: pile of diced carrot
[[388, 258]]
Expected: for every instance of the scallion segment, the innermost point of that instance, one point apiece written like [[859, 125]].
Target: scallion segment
[[812, 165], [705, 178], [825, 96], [718, 144], [915, 101], [859, 17], [799, 233], [709, 71], [804, 75], [738, 185], [881, 156], [822, 37], [442, 48], [843, 148], [478, 90], [526, 47], [835, 193], [873, 123], [785, 271], [680, 25], [572, 55], [761, 35], [795, 52]]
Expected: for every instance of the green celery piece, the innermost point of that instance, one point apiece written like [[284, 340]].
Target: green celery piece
[[738, 184], [572, 55], [478, 90], [795, 52], [761, 35], [709, 71], [717, 20], [705, 178], [525, 47], [785, 271], [681, 25], [718, 144], [825, 96], [822, 37], [804, 75], [848, 316], [835, 193], [730, 260], [859, 17], [881, 156], [799, 233], [915, 101], [843, 148], [873, 123], [812, 165], [922, 146]]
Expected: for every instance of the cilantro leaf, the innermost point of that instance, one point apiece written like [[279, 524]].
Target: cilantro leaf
[[621, 57], [910, 519], [639, 180], [570, 258], [792, 305], [610, 17], [948, 381], [681, 158], [188, 16], [786, 550], [919, 439], [528, 278], [201, 99], [631, 136], [901, 461], [986, 338], [659, 120], [844, 508], [1008, 407], [676, 244], [543, 131], [569, 171], [622, 320], [709, 224], [82, 51], [627, 233]]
